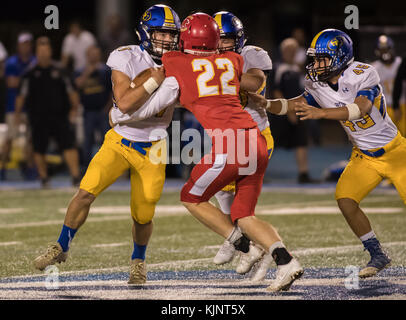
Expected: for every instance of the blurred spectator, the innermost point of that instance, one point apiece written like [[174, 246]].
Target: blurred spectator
[[287, 130], [115, 36], [94, 86], [74, 46], [3, 56], [50, 100], [387, 67], [300, 57], [15, 66], [399, 100], [299, 35]]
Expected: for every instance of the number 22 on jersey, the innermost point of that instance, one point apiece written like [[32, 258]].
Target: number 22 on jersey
[[208, 74]]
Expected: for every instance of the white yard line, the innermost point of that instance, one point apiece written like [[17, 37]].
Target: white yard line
[[322, 210], [11, 210], [11, 243], [109, 245], [123, 213], [289, 209], [57, 222]]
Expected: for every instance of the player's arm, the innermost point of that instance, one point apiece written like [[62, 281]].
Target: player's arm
[[20, 100], [165, 96], [129, 99], [352, 111], [252, 80], [276, 106]]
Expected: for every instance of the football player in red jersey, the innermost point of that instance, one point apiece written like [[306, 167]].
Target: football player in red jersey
[[207, 83]]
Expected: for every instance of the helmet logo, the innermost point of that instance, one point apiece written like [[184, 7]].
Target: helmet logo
[[146, 16], [333, 44], [186, 24], [236, 22]]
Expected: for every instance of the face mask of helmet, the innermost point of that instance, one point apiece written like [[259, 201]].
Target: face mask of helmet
[[159, 46], [229, 44], [325, 68]]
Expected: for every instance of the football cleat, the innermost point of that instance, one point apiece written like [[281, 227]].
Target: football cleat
[[138, 272], [225, 253], [53, 255], [286, 275], [379, 259], [262, 267], [248, 259]]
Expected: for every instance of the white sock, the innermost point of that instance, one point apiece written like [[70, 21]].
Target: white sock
[[225, 200], [277, 244], [234, 235], [368, 236]]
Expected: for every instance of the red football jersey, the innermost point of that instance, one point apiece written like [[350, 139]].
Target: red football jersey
[[209, 88]]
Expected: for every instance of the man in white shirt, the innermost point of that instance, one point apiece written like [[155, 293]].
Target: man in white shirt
[[75, 45]]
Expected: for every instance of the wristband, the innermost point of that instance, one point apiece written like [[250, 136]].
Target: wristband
[[353, 111], [150, 85], [268, 104], [284, 109]]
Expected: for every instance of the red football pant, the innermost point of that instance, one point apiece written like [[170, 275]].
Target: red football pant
[[217, 169]]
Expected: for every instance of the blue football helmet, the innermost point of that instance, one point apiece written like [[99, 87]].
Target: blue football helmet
[[334, 45], [230, 27], [385, 49], [158, 18]]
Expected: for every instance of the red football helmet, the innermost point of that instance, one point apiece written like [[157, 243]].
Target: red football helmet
[[199, 34]]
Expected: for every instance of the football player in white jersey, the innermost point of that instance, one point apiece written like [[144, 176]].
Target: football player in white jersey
[[128, 146], [387, 66], [339, 88], [256, 62]]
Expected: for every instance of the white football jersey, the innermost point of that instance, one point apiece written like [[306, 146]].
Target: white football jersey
[[255, 57], [374, 130], [387, 74], [131, 60]]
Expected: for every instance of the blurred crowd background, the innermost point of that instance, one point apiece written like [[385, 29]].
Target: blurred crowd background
[[89, 30]]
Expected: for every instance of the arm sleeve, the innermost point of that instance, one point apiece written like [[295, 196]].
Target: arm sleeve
[[119, 60], [165, 96], [310, 99], [398, 85], [258, 58], [370, 79]]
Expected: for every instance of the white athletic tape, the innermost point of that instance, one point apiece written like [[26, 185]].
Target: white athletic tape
[[354, 112], [150, 85]]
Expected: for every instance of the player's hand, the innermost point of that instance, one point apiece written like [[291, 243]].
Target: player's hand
[[158, 74], [306, 112], [258, 99]]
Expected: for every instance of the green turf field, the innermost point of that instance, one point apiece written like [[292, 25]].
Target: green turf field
[[31, 219]]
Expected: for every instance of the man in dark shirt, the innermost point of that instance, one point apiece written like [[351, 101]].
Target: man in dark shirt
[[288, 131], [51, 102], [94, 86]]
